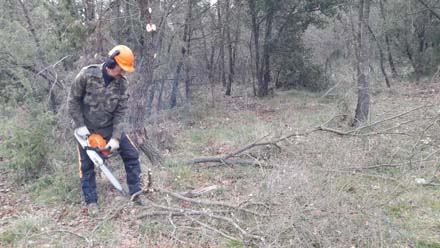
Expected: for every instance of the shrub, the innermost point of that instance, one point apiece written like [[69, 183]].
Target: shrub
[[27, 141]]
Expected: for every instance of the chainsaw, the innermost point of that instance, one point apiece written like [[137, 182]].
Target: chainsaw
[[94, 147]]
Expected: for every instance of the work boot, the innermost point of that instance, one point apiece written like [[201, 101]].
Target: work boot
[[140, 200], [92, 209]]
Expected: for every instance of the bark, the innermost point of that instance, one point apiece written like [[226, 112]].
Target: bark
[[186, 38], [230, 52], [187, 61], [263, 89], [140, 93], [433, 12], [222, 45], [363, 102], [209, 59], [256, 36], [89, 10], [390, 57], [387, 41], [143, 143], [381, 59], [175, 86]]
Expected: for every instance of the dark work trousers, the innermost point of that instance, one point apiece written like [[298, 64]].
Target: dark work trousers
[[129, 155]]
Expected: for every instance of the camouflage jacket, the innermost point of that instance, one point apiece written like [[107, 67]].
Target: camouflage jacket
[[101, 109]]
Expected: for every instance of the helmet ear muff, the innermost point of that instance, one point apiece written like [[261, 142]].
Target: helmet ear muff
[[111, 62]]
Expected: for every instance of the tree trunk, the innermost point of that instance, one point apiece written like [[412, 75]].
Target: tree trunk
[[381, 59], [263, 88], [256, 36], [387, 41], [222, 45], [363, 102], [89, 10], [230, 55], [209, 59], [175, 86], [187, 62], [184, 51], [140, 92]]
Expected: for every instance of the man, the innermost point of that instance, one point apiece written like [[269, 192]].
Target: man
[[98, 104]]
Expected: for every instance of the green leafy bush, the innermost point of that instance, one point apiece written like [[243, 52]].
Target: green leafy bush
[[27, 141]]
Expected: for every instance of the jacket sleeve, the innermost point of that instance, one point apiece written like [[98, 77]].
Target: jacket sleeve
[[119, 115], [75, 99]]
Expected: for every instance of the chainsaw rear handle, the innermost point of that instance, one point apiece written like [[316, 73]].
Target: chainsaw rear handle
[[99, 151]]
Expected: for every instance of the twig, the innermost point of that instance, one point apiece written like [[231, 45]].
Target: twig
[[226, 159], [53, 65], [88, 241], [213, 229], [179, 213], [323, 128], [204, 202], [358, 173], [220, 160], [198, 192], [113, 213]]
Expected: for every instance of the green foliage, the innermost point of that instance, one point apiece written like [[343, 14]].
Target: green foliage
[[61, 186], [16, 232], [235, 244], [28, 142], [423, 244], [397, 210]]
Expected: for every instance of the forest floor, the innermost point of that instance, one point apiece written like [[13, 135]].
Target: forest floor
[[317, 182]]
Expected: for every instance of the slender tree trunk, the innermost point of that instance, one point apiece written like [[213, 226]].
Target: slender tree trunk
[[390, 56], [89, 10], [159, 97], [230, 55], [387, 40], [363, 102], [186, 45], [187, 62], [381, 59], [209, 59], [222, 44], [433, 12], [256, 36], [263, 89]]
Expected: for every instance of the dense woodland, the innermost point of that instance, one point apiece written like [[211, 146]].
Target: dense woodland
[[201, 54], [198, 45]]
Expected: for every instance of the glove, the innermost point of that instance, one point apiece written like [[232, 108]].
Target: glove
[[82, 132], [112, 145]]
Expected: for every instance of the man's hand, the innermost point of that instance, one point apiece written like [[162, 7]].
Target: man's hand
[[82, 132], [112, 145]]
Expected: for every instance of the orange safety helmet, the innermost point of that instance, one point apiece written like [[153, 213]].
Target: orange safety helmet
[[123, 56], [97, 141]]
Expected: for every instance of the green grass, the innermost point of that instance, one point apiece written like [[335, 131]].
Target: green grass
[[234, 244], [210, 140], [423, 244], [19, 230], [63, 186], [397, 210]]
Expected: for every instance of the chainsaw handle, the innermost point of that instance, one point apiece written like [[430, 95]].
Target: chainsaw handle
[[110, 155], [99, 151]]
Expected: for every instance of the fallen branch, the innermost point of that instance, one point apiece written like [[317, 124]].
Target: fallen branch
[[205, 202], [198, 192], [339, 132], [47, 234], [226, 159]]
